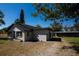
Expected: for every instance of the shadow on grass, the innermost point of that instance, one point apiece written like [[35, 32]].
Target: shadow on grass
[[75, 46], [3, 40]]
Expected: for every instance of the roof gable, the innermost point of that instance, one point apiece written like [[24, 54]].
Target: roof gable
[[23, 27]]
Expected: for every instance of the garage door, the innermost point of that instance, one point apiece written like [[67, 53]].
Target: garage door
[[42, 37]]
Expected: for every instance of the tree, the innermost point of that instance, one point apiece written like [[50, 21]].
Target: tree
[[65, 28], [56, 12], [38, 26], [22, 16], [20, 20], [76, 26], [70, 10], [1, 18], [47, 11], [56, 26], [4, 30]]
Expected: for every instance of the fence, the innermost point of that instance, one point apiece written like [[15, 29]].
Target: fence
[[67, 34], [3, 36]]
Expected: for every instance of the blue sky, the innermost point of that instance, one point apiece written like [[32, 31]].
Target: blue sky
[[12, 11]]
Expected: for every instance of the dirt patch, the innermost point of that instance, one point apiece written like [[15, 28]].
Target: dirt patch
[[13, 48]]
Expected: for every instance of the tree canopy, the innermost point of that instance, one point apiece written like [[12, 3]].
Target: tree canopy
[[56, 26], [22, 16], [20, 20], [1, 18], [46, 10], [76, 26], [57, 11], [38, 26]]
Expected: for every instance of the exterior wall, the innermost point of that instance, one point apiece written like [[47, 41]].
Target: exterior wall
[[41, 32], [15, 29], [23, 36], [28, 36], [42, 37]]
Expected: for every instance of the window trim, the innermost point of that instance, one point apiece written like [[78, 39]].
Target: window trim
[[19, 34]]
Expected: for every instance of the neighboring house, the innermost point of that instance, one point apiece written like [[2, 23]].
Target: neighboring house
[[23, 32]]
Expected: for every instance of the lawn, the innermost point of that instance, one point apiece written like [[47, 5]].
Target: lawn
[[3, 40], [72, 40], [15, 48]]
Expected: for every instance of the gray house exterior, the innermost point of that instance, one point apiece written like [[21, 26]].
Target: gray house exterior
[[23, 32]]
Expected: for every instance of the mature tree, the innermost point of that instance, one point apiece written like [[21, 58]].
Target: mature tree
[[4, 30], [20, 20], [1, 18], [65, 28], [22, 16], [70, 10], [17, 21], [38, 26], [56, 26], [76, 26], [57, 11], [48, 11]]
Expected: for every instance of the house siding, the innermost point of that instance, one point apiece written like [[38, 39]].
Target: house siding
[[16, 29], [29, 34], [42, 32]]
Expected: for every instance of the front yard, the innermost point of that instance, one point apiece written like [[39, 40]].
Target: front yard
[[25, 48], [72, 40], [52, 48]]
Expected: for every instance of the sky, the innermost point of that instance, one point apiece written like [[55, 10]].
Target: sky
[[12, 11]]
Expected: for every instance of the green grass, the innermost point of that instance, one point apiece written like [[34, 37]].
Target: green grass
[[3, 41], [72, 40]]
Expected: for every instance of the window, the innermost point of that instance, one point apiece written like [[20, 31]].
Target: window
[[19, 34]]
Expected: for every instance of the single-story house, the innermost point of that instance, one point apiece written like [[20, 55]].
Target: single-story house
[[23, 32]]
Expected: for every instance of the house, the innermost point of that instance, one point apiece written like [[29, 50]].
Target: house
[[23, 32], [20, 31]]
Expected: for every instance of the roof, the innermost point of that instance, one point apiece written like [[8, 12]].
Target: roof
[[66, 32], [23, 26], [43, 29], [27, 27]]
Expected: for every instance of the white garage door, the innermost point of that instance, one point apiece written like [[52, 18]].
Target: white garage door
[[42, 37]]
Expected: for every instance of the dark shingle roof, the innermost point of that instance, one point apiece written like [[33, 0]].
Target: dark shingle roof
[[27, 27], [23, 26]]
